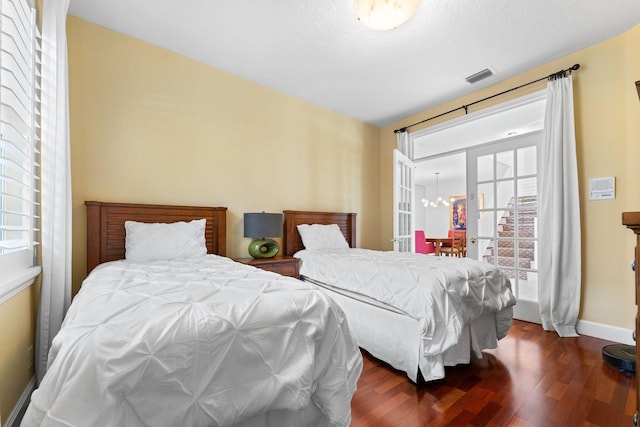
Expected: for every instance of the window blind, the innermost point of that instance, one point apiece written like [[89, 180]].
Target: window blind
[[20, 54]]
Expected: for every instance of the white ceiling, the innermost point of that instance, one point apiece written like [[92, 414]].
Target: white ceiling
[[317, 51]]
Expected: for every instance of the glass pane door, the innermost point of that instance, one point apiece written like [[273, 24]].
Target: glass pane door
[[403, 188], [502, 182]]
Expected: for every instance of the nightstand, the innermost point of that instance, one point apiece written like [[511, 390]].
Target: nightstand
[[285, 265]]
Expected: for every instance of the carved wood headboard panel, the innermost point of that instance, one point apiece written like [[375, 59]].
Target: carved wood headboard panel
[[106, 233], [292, 241]]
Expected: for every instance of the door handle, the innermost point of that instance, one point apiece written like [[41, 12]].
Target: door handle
[[473, 240]]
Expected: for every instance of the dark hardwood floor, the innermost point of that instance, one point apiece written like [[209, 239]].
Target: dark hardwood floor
[[534, 378]]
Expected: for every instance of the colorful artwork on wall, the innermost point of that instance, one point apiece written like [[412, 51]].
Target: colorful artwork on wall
[[458, 212]]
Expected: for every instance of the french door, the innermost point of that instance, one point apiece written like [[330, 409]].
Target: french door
[[502, 193], [403, 189]]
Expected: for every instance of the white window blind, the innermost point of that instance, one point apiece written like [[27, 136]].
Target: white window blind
[[19, 137]]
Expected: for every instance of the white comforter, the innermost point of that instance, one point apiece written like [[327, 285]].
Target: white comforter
[[195, 342], [442, 293]]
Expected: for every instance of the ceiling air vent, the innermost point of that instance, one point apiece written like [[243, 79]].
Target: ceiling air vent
[[480, 75]]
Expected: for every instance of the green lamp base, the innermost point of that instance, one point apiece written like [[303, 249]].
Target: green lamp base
[[263, 248]]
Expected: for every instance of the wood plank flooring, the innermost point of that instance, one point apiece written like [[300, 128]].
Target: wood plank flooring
[[533, 379]]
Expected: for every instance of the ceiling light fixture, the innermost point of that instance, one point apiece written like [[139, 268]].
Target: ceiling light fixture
[[439, 201], [382, 15]]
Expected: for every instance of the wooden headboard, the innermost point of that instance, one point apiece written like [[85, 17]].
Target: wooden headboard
[[106, 233], [292, 241]]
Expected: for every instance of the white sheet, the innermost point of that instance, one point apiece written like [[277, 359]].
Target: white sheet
[[195, 342], [441, 293]]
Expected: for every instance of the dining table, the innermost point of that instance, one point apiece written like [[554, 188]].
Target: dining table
[[437, 242]]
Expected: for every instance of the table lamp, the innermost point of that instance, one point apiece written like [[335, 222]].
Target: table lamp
[[261, 227]]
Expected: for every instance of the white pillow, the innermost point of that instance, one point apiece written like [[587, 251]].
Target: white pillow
[[160, 241], [320, 236]]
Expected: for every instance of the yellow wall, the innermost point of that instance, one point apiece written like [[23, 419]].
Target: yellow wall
[[151, 126], [607, 112], [17, 317]]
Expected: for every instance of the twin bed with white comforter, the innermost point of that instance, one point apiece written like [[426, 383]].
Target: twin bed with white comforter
[[158, 339], [418, 313]]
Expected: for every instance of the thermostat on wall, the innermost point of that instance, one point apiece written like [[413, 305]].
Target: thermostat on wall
[[602, 188]]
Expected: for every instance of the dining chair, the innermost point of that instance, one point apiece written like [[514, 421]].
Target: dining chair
[[457, 246], [422, 246]]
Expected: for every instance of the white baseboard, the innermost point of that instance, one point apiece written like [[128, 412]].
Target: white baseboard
[[16, 415], [605, 332]]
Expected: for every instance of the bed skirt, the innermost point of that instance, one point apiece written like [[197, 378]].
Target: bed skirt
[[396, 338]]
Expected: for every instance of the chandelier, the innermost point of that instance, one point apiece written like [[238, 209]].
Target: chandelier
[[438, 201], [382, 15]]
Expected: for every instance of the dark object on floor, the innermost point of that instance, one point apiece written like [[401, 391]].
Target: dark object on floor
[[621, 356]]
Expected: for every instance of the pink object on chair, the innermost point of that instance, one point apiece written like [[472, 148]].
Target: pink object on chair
[[422, 247]]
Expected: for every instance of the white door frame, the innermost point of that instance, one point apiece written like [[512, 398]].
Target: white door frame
[[486, 113]]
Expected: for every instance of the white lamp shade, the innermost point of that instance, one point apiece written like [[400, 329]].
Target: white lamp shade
[[384, 15]]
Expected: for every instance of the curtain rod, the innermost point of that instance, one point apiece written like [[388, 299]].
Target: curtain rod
[[561, 73]]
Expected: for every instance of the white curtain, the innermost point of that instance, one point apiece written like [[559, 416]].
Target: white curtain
[[559, 222], [404, 145], [55, 293]]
